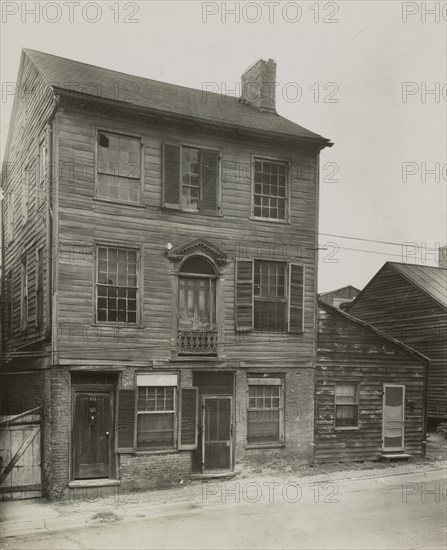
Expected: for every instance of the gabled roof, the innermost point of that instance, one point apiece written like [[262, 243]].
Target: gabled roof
[[338, 290], [363, 324], [112, 86], [430, 280]]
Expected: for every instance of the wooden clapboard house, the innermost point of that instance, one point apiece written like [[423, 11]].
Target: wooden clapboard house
[[160, 274], [370, 392], [409, 302]]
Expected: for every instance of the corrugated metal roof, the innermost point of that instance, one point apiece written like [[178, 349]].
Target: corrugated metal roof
[[432, 280], [67, 74]]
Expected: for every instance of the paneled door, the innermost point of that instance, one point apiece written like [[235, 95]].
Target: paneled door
[[393, 417]]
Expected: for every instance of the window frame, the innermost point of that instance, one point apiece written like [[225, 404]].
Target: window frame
[[125, 134], [24, 292], [42, 172], [274, 160], [139, 288], [270, 382], [174, 413], [285, 300], [355, 426], [25, 195], [39, 287]]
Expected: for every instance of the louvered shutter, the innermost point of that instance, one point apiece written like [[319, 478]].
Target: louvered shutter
[[126, 420], [171, 175], [209, 168], [188, 418], [296, 298], [244, 295]]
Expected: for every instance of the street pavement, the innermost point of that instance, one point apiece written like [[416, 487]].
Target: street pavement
[[405, 511]]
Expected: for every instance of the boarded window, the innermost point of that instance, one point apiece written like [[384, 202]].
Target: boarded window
[[119, 167], [188, 418], [346, 404], [265, 413], [270, 299], [117, 285], [270, 190], [191, 179], [156, 417]]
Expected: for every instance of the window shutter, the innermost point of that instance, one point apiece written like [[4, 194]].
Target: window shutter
[[296, 298], [244, 295], [209, 168], [188, 418], [126, 419], [171, 175]]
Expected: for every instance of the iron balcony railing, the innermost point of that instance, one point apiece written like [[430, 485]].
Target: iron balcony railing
[[197, 342]]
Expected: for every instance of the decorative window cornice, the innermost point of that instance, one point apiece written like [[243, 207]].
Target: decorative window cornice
[[198, 247]]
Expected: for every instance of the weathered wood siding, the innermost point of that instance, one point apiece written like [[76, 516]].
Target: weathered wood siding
[[33, 105], [84, 220], [401, 310], [348, 352]]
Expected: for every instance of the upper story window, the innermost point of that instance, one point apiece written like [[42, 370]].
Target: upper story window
[[117, 285], [270, 190], [269, 296], [26, 185], [23, 293], [9, 226], [119, 167], [197, 331], [39, 287], [191, 179]]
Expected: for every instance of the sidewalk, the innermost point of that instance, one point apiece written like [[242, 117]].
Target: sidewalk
[[39, 516]]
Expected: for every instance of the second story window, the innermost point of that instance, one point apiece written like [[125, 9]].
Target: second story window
[[9, 226], [270, 190], [270, 298], [119, 167], [191, 179], [39, 287], [117, 285]]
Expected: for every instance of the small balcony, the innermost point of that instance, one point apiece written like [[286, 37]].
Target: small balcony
[[197, 342]]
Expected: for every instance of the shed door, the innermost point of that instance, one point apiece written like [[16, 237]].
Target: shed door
[[92, 428], [393, 417]]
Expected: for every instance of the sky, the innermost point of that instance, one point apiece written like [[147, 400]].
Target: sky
[[371, 76]]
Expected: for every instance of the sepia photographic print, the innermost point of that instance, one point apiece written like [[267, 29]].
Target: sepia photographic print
[[223, 275]]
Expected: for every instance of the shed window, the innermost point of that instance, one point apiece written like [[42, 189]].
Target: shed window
[[346, 404], [119, 167]]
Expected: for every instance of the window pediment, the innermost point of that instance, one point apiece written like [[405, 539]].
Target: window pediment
[[198, 247]]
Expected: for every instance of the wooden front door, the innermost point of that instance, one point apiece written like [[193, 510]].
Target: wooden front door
[[92, 434], [393, 417], [217, 434]]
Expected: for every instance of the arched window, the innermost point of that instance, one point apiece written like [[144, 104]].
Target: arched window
[[197, 295]]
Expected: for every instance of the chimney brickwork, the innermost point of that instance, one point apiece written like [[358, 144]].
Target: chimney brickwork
[[259, 86]]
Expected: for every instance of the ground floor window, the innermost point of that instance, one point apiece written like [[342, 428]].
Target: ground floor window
[[265, 411], [156, 409], [346, 404]]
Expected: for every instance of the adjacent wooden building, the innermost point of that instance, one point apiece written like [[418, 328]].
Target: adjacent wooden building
[[370, 392], [160, 274], [409, 303]]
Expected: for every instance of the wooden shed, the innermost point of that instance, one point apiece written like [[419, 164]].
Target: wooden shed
[[370, 392]]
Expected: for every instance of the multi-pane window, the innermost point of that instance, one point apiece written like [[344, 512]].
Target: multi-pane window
[[270, 190], [119, 167], [39, 287], [265, 418], [346, 404], [117, 285], [269, 295], [156, 417], [190, 178], [42, 175], [23, 293]]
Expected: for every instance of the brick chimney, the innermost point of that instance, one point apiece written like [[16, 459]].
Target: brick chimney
[[442, 259], [259, 86]]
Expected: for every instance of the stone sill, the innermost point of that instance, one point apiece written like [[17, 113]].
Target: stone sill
[[86, 483]]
